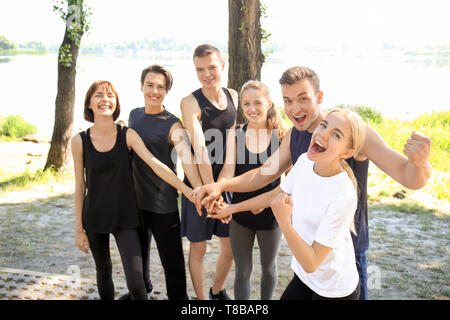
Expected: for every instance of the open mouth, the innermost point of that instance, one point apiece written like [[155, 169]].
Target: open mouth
[[300, 119], [317, 147], [105, 108]]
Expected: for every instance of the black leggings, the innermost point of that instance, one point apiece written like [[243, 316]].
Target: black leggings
[[130, 252], [165, 227], [297, 290]]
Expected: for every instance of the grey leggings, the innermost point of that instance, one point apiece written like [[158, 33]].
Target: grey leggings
[[242, 240]]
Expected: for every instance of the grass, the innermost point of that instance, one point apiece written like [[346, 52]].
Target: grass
[[29, 179]]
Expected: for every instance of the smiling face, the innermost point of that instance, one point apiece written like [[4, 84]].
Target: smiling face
[[301, 104], [331, 141], [103, 102], [154, 89], [209, 70], [255, 106]]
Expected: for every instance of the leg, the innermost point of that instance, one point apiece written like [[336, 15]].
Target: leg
[[223, 265], [361, 265], [197, 251], [99, 244], [242, 240], [131, 255], [166, 230], [146, 242], [269, 242], [297, 290]]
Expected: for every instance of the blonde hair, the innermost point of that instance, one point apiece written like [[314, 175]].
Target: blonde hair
[[358, 128], [273, 120]]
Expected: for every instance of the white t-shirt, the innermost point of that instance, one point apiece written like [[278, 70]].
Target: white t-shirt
[[323, 210]]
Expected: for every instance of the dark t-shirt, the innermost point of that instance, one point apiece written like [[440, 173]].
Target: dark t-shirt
[[153, 193]]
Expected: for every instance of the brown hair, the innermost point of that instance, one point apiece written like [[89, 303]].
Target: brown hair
[[295, 74], [88, 114], [204, 50], [274, 120], [156, 68]]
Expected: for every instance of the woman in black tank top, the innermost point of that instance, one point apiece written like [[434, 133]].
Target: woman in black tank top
[[105, 202], [248, 147]]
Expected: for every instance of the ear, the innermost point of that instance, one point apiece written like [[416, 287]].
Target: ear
[[347, 153], [320, 97]]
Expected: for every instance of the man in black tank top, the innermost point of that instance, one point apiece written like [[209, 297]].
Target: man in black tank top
[[207, 114], [302, 98]]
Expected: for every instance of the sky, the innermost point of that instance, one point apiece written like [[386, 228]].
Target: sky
[[412, 23]]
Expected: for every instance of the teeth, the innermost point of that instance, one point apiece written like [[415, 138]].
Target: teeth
[[297, 117], [319, 144]]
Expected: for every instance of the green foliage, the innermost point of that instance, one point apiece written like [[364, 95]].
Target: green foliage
[[15, 127], [435, 126], [265, 35], [76, 15], [65, 56], [6, 44], [368, 114], [29, 179]]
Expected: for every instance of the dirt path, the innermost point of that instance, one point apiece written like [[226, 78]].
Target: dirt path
[[408, 257]]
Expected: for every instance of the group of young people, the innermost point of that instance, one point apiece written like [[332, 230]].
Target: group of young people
[[126, 185]]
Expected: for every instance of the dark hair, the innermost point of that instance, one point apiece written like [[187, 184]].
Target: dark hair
[[295, 74], [156, 68], [88, 114], [204, 50]]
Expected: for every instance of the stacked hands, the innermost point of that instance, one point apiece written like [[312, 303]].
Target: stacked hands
[[210, 197]]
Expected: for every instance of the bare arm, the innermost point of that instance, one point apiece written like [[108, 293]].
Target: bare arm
[[254, 204], [81, 239], [309, 256], [412, 172], [135, 142], [229, 166], [252, 180], [191, 115], [178, 138]]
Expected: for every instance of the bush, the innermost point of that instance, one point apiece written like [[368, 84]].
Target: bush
[[368, 114], [15, 127]]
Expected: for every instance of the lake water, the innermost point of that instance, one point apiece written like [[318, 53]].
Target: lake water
[[387, 82]]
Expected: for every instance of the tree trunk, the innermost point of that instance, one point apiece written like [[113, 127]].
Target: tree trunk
[[245, 57], [59, 153]]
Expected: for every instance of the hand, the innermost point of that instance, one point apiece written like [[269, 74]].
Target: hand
[[222, 211], [81, 240], [189, 194], [206, 196], [417, 149], [282, 208]]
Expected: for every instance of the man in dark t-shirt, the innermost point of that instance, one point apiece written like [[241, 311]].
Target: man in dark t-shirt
[[162, 133]]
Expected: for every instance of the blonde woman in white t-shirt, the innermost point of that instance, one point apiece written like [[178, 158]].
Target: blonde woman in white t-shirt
[[316, 208]]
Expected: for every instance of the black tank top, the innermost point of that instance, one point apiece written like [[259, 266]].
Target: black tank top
[[215, 123], [154, 194], [110, 202], [265, 220], [300, 141]]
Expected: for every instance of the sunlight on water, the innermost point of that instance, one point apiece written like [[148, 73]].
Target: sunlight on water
[[388, 83]]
